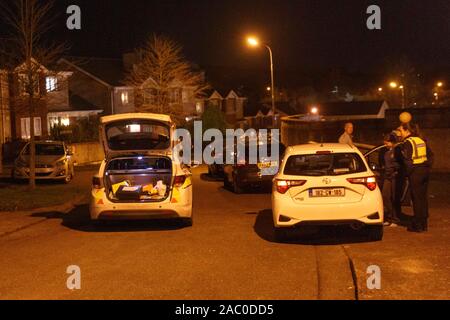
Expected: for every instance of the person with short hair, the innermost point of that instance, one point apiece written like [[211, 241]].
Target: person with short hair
[[347, 136], [417, 159]]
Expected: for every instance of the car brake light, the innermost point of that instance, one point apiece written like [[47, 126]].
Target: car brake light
[[283, 186], [179, 181], [369, 182], [96, 183]]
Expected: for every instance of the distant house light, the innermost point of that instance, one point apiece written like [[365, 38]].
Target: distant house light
[[51, 83], [124, 97], [65, 121]]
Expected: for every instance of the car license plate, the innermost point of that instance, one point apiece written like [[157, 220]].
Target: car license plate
[[329, 192], [266, 165]]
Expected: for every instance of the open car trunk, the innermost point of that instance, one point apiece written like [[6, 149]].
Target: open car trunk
[[138, 178]]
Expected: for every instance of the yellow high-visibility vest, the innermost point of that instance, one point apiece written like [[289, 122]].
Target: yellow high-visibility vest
[[419, 154]]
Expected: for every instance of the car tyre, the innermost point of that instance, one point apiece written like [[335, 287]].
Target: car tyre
[[236, 187], [68, 178], [188, 222], [375, 233]]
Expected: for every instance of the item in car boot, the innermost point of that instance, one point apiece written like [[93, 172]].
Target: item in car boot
[[162, 188], [116, 186], [148, 188], [129, 193]]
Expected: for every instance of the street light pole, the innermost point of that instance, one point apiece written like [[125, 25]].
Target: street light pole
[[254, 42], [272, 84]]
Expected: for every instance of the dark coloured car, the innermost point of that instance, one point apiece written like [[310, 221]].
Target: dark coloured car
[[242, 175]]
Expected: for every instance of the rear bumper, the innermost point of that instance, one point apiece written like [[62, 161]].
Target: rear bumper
[[287, 213], [101, 208], [42, 174], [248, 178]]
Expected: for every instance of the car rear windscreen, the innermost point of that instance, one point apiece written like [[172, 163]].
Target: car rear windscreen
[[47, 150], [138, 135], [332, 164]]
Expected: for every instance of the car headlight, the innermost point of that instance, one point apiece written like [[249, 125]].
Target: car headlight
[[61, 163]]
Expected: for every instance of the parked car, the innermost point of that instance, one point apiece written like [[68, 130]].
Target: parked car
[[53, 162], [139, 178], [242, 175], [326, 184]]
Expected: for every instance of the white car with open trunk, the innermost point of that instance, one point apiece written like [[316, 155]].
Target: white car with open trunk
[[326, 184], [139, 178]]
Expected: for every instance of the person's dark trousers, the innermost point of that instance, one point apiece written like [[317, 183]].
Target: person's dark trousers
[[418, 180], [389, 192], [400, 183]]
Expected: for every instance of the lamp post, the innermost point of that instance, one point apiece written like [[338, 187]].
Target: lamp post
[[254, 42], [394, 85]]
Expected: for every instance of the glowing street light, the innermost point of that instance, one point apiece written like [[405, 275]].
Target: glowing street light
[[254, 42], [395, 85], [314, 110], [380, 89], [269, 89], [440, 84]]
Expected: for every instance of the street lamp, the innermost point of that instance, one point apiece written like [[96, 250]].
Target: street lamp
[[440, 84], [395, 85], [314, 110], [254, 42]]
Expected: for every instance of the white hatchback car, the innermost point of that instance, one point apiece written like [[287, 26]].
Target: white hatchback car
[[320, 184], [139, 178]]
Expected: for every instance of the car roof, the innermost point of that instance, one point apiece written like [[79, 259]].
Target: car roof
[[315, 147], [132, 116]]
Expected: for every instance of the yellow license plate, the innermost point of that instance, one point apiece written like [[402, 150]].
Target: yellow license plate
[[266, 165]]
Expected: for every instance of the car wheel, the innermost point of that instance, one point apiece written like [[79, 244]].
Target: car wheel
[[68, 178], [226, 183], [236, 187], [375, 233], [188, 222]]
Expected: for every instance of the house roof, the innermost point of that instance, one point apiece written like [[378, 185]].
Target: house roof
[[109, 71], [353, 108], [78, 103]]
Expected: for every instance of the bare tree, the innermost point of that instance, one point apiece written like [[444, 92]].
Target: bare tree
[[30, 21], [160, 74]]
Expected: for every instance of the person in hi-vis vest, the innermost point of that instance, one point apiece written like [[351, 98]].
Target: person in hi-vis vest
[[417, 158]]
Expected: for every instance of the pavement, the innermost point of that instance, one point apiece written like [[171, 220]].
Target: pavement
[[229, 253]]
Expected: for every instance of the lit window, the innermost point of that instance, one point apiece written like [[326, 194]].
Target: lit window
[[124, 97], [65, 121], [50, 83], [25, 127], [133, 128]]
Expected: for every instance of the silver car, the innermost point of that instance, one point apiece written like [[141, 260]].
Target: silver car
[[53, 162]]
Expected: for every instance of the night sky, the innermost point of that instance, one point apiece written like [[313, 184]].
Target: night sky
[[305, 35]]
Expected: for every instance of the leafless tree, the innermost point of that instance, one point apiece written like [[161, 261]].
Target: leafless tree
[[161, 70], [30, 21]]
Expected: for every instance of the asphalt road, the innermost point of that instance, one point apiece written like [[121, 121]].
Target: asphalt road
[[229, 253]]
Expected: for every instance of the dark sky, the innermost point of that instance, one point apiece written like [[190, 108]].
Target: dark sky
[[304, 34]]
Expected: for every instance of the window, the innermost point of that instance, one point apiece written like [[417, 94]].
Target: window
[[124, 97], [324, 164], [25, 127], [24, 84], [51, 83]]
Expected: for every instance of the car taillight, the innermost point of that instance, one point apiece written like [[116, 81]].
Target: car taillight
[[283, 186], [96, 183], [179, 181], [369, 182]]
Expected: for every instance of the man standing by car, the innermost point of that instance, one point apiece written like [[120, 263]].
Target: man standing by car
[[416, 157], [391, 170], [347, 136]]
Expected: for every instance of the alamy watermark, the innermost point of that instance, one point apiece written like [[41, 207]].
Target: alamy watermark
[[260, 147]]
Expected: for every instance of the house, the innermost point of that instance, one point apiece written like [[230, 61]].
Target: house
[[99, 82], [5, 111], [53, 101], [232, 105], [261, 116]]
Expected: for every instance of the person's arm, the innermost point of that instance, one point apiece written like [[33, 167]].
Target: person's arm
[[407, 152]]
